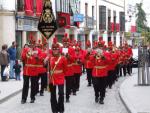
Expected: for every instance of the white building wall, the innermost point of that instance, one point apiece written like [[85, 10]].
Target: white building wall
[[89, 13], [113, 6], [7, 29]]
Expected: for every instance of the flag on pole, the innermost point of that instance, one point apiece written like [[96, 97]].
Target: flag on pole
[[47, 22]]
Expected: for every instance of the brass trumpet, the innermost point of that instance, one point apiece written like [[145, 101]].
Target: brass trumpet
[[29, 53]]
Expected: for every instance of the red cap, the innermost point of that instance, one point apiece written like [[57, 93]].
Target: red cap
[[110, 43], [88, 43], [101, 43], [95, 43], [44, 41], [100, 38], [66, 35], [66, 39], [79, 43], [55, 44], [77, 48], [39, 43], [32, 39]]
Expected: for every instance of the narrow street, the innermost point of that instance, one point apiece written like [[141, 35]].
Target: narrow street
[[83, 102]]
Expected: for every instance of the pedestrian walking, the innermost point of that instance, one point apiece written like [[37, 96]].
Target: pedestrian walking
[[4, 61], [12, 56], [17, 69]]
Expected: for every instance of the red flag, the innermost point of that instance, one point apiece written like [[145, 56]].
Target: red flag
[[28, 7], [39, 7], [112, 27], [133, 29], [117, 27]]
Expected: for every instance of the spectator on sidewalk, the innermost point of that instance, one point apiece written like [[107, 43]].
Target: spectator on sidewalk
[[17, 69], [12, 57], [4, 60]]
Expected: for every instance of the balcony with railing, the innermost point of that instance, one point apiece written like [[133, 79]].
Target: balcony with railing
[[89, 22]]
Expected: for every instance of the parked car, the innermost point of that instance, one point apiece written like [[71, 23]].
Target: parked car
[[134, 59]]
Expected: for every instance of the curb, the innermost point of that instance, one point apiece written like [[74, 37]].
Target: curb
[[10, 96], [125, 100]]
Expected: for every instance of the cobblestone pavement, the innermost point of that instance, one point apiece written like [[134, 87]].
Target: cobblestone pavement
[[83, 102]]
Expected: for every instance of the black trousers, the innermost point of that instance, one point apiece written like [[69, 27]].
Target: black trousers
[[83, 68], [25, 89], [43, 77], [57, 105], [89, 75], [110, 78], [69, 85], [117, 70], [76, 83], [129, 68], [99, 84], [124, 69], [120, 69]]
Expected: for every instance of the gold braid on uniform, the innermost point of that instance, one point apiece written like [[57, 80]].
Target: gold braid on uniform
[[29, 53]]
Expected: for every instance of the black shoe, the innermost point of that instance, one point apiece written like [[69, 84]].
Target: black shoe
[[110, 87], [101, 101], [23, 101], [41, 94], [55, 112], [96, 99], [74, 93], [67, 100], [77, 89], [89, 85], [32, 100]]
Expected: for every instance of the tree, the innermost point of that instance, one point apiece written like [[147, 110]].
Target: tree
[[141, 23], [141, 18]]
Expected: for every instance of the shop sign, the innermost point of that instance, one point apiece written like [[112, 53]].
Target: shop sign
[[78, 18], [26, 24]]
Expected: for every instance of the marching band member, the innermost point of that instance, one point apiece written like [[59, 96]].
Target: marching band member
[[100, 73], [42, 71], [68, 52], [58, 66], [88, 62], [78, 60], [30, 58], [112, 65]]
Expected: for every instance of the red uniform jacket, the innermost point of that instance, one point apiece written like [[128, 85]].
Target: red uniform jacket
[[113, 61], [30, 59], [57, 74], [100, 66], [42, 56], [88, 63], [70, 61], [78, 60], [121, 57]]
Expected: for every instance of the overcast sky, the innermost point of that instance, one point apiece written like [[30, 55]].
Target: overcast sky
[[146, 7]]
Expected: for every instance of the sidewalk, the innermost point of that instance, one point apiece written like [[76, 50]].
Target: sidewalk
[[9, 89], [136, 98]]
